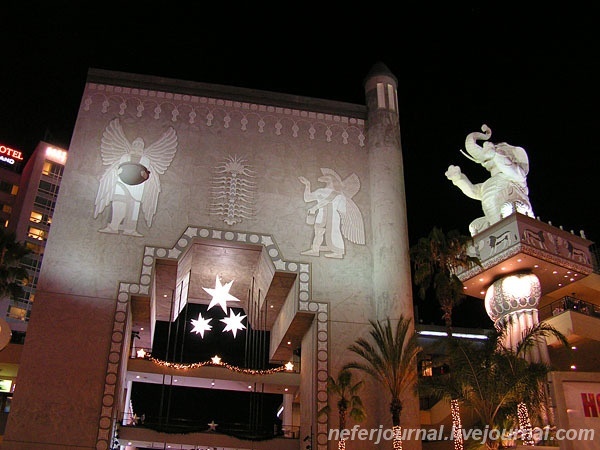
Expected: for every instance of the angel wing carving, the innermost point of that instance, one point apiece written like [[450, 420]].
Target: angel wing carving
[[132, 179], [353, 227]]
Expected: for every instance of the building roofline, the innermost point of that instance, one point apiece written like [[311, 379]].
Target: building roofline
[[233, 93]]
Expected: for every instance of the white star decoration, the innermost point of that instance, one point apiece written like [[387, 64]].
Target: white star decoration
[[233, 322], [220, 295], [216, 359], [201, 325], [212, 425]]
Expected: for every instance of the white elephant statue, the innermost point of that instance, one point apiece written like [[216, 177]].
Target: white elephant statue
[[506, 190]]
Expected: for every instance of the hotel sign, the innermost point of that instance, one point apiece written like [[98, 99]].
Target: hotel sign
[[10, 155]]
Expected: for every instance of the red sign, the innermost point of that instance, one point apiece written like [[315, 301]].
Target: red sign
[[590, 403], [9, 155]]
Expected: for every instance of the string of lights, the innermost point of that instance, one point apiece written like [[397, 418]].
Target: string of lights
[[525, 424], [216, 362], [456, 425], [397, 442]]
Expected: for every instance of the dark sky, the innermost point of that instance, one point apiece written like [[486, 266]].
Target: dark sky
[[531, 74]]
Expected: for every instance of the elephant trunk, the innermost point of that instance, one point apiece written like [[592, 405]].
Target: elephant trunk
[[476, 151]]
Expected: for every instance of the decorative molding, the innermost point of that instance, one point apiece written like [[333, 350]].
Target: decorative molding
[[225, 113]]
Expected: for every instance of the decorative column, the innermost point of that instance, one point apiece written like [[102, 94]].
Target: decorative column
[[391, 262], [392, 283], [511, 302]]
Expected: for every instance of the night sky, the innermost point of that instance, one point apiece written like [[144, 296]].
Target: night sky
[[529, 72]]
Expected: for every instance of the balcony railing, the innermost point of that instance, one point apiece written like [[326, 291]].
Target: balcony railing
[[569, 303], [175, 425]]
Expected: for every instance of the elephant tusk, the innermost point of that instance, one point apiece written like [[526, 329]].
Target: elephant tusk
[[468, 156]]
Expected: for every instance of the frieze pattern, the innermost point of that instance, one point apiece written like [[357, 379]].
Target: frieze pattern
[[143, 287], [226, 113]]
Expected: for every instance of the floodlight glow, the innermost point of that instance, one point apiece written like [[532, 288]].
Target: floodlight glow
[[57, 155], [458, 335]]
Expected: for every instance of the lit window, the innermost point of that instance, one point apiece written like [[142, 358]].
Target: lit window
[[36, 249], [35, 233], [47, 168], [35, 217], [17, 313]]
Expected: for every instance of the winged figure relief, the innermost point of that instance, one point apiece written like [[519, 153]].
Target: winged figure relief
[[334, 216], [131, 181]]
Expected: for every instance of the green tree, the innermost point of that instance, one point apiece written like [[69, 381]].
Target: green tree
[[349, 402], [436, 261], [12, 275], [493, 379], [390, 358]]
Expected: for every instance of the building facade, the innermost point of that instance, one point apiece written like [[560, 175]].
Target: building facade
[[182, 200], [28, 196]]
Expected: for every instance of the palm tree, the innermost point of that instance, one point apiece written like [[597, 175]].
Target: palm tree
[[493, 379], [390, 358], [349, 403], [12, 275], [436, 260]]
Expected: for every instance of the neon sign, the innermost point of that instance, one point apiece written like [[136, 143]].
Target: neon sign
[[10, 155]]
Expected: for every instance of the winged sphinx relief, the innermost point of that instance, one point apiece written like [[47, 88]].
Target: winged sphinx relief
[[131, 182]]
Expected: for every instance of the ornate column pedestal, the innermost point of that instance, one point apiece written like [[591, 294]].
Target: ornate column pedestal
[[511, 302]]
